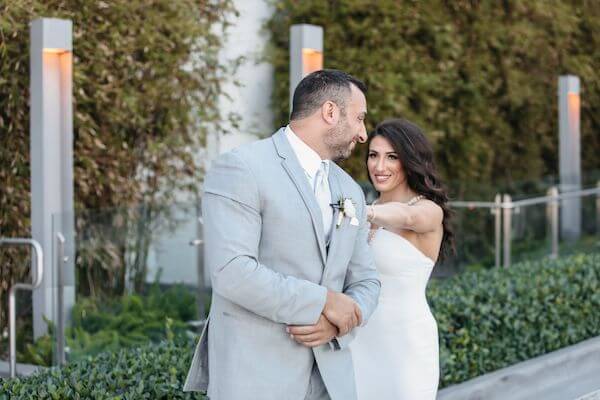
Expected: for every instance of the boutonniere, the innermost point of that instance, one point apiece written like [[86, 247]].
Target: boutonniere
[[346, 209]]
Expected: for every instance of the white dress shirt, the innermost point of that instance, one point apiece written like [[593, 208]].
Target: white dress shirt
[[311, 162]]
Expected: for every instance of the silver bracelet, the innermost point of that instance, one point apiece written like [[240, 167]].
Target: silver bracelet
[[371, 215]]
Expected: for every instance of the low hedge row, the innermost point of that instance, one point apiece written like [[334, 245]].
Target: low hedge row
[[153, 371], [487, 320], [495, 318]]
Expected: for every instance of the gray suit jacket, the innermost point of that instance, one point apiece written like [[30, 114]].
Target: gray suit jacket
[[266, 252]]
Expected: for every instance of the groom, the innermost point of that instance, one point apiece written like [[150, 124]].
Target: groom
[[286, 244]]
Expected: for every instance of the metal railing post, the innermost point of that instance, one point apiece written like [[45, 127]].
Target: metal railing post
[[507, 207], [553, 209], [503, 223], [199, 245], [60, 318], [36, 280], [497, 211]]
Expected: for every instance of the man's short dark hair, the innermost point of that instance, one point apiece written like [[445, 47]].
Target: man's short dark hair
[[321, 86]]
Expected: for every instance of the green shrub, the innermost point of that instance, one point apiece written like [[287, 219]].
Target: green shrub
[[100, 325], [154, 371], [492, 319]]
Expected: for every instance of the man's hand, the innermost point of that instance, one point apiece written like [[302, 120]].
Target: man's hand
[[313, 335], [342, 311]]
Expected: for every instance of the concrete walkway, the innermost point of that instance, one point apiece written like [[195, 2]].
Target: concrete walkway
[[565, 374], [22, 369], [591, 396]]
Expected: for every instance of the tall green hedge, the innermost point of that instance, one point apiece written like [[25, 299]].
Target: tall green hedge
[[480, 77], [146, 80], [492, 319]]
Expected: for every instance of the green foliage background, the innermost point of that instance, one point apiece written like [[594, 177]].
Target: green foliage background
[[142, 104], [480, 77]]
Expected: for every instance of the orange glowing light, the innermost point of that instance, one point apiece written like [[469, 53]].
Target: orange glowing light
[[54, 50], [574, 102], [312, 60]]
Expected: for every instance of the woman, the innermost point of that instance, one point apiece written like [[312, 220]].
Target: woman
[[396, 353]]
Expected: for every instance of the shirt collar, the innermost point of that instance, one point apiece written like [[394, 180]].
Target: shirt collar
[[308, 158]]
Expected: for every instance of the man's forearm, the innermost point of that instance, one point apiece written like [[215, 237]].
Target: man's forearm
[[253, 286]]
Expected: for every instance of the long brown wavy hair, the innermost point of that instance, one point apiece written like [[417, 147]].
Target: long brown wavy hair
[[416, 156]]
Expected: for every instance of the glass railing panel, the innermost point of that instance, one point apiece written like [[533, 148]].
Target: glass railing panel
[[136, 277], [589, 238], [474, 241], [15, 266], [530, 233]]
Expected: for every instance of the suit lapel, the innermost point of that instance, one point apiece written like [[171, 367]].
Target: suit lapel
[[293, 168], [336, 194]]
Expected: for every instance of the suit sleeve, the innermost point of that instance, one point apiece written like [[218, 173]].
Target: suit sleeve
[[232, 229], [362, 282]]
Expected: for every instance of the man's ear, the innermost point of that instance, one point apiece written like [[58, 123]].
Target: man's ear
[[330, 112]]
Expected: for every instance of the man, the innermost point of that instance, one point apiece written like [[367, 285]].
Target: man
[[286, 242]]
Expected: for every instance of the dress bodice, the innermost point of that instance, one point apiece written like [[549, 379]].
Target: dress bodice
[[404, 272]]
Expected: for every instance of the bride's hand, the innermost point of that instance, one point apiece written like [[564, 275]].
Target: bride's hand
[[342, 311], [314, 335]]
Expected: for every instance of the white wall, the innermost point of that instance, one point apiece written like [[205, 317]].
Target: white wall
[[251, 100]]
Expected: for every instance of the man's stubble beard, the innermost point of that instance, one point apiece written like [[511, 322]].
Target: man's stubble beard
[[339, 150]]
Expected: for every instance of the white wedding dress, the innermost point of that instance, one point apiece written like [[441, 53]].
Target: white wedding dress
[[396, 353]]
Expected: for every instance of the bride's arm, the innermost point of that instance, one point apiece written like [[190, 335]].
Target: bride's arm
[[423, 217]]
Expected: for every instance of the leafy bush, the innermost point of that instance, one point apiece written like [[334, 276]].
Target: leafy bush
[[100, 325], [492, 319], [154, 371]]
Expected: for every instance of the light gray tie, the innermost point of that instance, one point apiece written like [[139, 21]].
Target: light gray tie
[[323, 195]]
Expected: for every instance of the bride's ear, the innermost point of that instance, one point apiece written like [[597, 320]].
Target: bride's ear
[[330, 112]]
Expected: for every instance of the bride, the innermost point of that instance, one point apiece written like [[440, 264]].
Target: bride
[[396, 353]]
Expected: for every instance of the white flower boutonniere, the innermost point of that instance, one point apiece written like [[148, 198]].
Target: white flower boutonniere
[[346, 209]]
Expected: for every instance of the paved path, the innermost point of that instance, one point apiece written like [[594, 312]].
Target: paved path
[[591, 396], [565, 374], [22, 369]]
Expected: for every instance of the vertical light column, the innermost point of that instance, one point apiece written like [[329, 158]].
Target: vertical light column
[[569, 154], [51, 151], [306, 53]]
